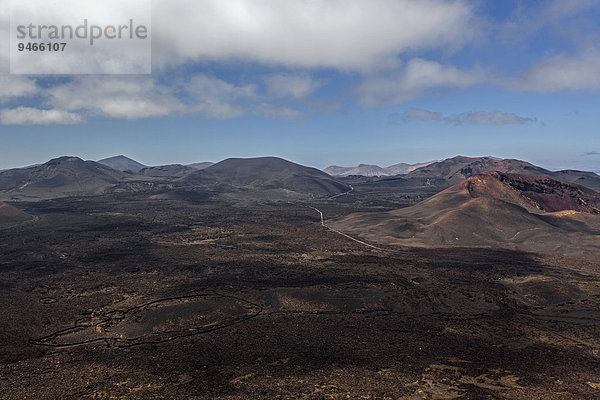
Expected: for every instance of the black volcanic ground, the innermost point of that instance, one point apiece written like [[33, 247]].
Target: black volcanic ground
[[265, 279]]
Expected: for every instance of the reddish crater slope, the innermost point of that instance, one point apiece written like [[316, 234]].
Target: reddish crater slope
[[542, 192]]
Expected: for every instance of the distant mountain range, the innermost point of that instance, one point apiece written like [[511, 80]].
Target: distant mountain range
[[517, 211], [71, 176], [374, 170]]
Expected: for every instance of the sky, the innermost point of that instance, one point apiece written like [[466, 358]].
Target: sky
[[327, 82]]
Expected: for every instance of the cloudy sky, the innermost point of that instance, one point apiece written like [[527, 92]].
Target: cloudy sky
[[325, 82]]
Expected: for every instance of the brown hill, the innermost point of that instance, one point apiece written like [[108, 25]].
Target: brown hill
[[531, 213]]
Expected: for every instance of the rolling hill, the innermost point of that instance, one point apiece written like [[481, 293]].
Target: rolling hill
[[268, 173], [61, 177], [493, 209], [123, 164]]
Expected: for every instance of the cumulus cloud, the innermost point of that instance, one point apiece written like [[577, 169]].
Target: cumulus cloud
[[12, 86], [34, 116], [138, 97], [115, 97], [294, 85], [418, 77], [144, 97], [341, 34], [561, 72], [472, 117]]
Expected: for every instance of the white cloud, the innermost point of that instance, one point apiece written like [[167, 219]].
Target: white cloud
[[472, 117], [12, 86], [115, 97], [142, 97], [34, 116], [418, 77], [295, 85], [561, 72], [341, 34]]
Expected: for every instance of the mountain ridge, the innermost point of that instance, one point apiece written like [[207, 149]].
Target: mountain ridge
[[369, 170]]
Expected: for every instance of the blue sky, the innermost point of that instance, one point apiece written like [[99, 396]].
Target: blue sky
[[329, 82]]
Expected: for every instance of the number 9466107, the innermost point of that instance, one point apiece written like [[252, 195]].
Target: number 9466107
[[41, 46]]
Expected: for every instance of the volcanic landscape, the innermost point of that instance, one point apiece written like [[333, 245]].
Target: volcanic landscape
[[466, 278]]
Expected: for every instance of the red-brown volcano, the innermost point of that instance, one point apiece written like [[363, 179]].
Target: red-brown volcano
[[493, 209]]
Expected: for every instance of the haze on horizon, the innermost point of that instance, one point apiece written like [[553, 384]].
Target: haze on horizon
[[511, 79]]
